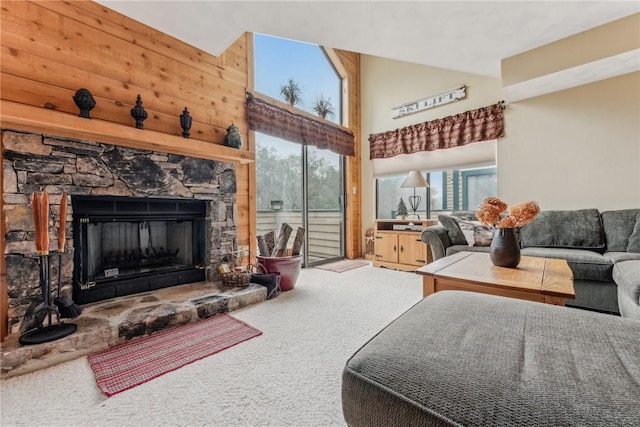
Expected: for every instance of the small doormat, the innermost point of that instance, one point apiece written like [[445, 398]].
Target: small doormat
[[128, 365], [342, 266]]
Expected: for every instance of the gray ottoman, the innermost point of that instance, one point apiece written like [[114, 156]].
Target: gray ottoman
[[460, 358]]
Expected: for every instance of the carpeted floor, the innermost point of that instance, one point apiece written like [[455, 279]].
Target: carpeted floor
[[288, 376]]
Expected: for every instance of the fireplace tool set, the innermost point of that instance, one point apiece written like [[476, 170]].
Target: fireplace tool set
[[46, 307]]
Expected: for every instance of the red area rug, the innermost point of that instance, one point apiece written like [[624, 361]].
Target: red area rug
[[128, 365], [342, 266]]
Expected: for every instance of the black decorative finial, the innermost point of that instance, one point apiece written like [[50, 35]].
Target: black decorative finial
[[233, 137], [138, 112], [85, 102], [185, 122]]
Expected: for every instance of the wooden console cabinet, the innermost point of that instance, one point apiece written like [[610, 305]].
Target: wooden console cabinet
[[398, 247]]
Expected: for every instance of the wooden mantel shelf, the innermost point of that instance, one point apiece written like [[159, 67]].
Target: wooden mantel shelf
[[41, 120]]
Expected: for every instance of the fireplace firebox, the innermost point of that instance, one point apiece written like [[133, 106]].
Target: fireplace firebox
[[126, 245]]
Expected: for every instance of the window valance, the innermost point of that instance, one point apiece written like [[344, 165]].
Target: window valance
[[482, 124], [282, 123]]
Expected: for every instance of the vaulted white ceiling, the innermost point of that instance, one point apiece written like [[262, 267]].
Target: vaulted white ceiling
[[468, 36]]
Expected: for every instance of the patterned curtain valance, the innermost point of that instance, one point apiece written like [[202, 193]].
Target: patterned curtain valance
[[281, 123], [482, 124]]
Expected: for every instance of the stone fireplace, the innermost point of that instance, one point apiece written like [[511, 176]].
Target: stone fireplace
[[128, 245], [194, 197]]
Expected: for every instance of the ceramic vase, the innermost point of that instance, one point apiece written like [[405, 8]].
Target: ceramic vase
[[233, 137], [287, 266], [505, 248]]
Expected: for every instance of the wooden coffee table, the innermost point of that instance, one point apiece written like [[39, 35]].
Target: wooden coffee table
[[544, 280]]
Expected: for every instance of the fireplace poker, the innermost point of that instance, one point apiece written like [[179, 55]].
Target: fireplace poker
[[30, 319], [36, 332], [67, 308]]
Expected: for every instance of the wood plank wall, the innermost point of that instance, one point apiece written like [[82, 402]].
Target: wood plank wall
[[50, 49], [354, 234]]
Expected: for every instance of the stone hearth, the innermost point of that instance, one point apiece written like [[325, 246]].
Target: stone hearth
[[108, 323]]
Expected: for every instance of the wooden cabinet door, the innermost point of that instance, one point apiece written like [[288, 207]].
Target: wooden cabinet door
[[412, 250], [386, 247]]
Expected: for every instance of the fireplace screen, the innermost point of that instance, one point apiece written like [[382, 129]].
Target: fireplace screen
[[125, 248], [125, 245]]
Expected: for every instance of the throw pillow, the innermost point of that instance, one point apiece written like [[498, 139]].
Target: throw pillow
[[634, 239], [467, 231], [453, 229], [476, 233], [483, 234]]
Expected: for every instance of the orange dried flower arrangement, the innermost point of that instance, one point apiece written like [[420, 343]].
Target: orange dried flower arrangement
[[492, 208]]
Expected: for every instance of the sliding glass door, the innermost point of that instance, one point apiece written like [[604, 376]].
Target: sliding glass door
[[325, 210], [303, 187]]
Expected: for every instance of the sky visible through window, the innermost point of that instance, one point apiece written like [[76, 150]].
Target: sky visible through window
[[276, 60]]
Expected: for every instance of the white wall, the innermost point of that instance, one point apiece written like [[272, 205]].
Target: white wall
[[578, 148], [573, 149], [387, 83]]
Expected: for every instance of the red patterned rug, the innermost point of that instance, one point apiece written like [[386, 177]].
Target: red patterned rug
[[128, 365]]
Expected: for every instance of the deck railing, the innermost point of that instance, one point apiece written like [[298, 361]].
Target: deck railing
[[323, 229]]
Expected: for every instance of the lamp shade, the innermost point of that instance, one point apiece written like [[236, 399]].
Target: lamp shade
[[413, 180]]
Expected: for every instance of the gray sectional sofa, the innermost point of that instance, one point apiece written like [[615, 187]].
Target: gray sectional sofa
[[602, 250]]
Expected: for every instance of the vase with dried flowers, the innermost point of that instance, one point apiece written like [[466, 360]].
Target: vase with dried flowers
[[505, 248]]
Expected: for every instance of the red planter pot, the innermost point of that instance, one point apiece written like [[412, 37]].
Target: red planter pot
[[288, 267]]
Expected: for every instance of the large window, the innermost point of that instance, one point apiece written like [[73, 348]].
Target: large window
[[389, 193], [297, 184], [279, 61], [449, 190]]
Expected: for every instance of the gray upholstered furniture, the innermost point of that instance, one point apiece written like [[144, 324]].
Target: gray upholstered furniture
[[462, 358], [602, 250]]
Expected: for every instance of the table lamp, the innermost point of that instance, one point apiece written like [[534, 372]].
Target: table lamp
[[415, 180]]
